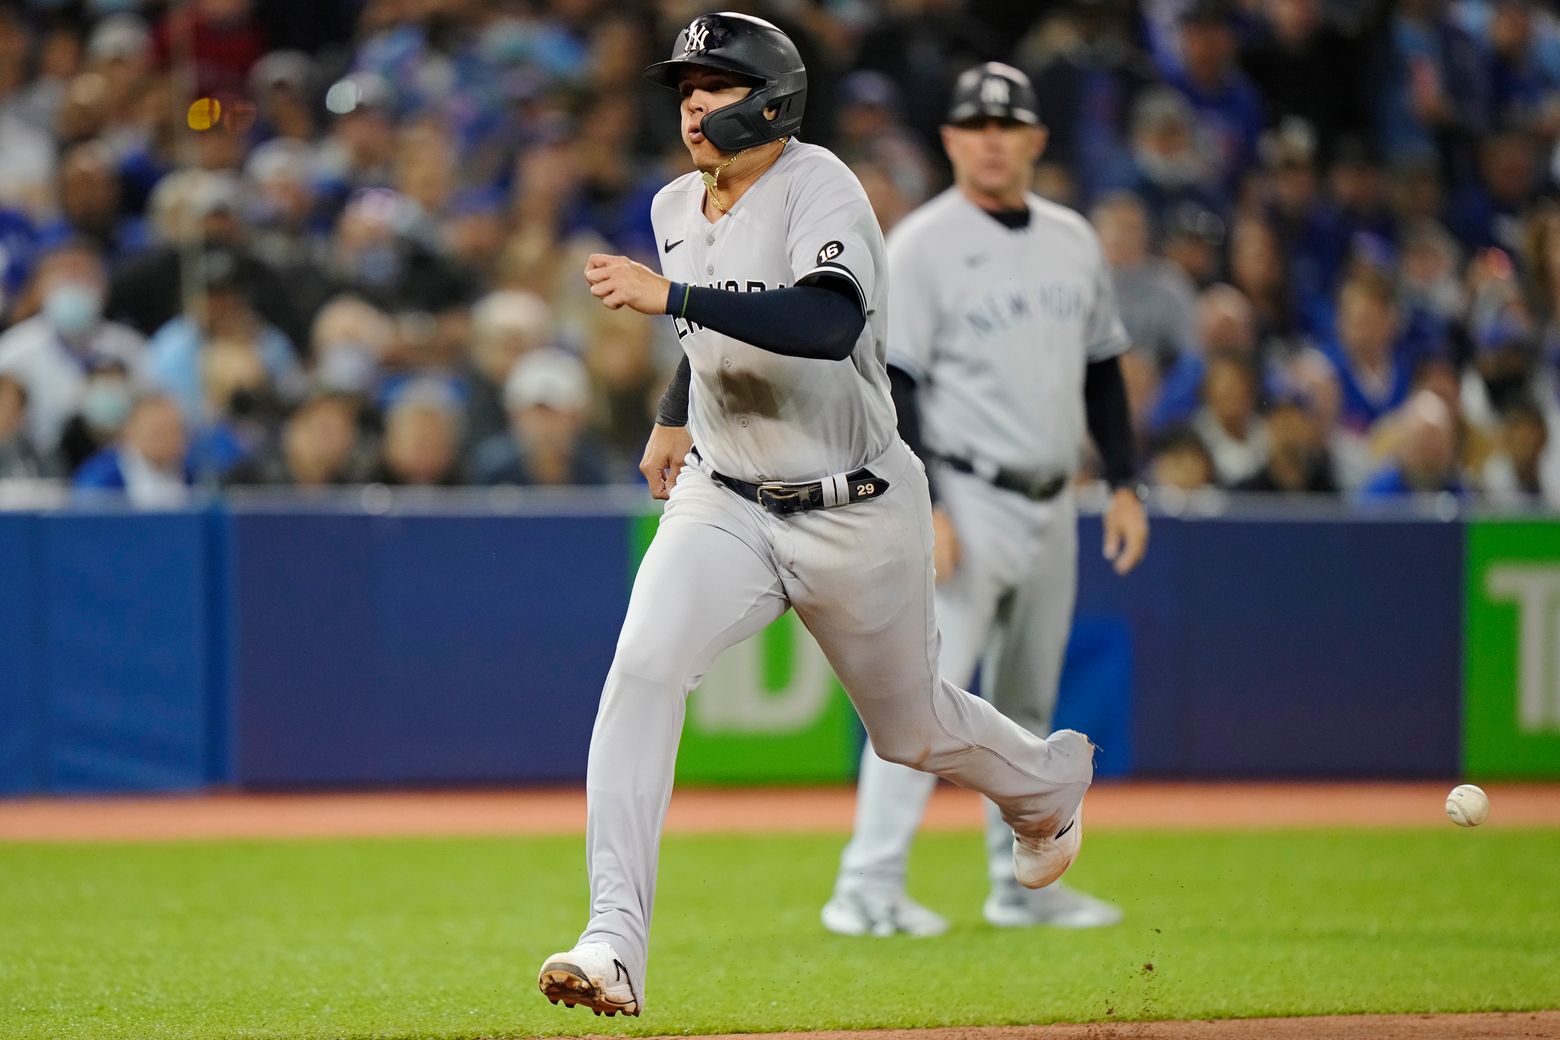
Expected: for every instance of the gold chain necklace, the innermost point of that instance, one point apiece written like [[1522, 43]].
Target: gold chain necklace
[[712, 180]]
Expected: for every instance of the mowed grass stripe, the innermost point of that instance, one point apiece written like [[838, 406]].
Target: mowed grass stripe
[[441, 938]]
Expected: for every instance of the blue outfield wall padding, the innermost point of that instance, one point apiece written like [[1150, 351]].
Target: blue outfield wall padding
[[403, 649], [305, 661], [1096, 691], [1338, 654], [124, 613], [21, 659], [221, 596], [1144, 605], [306, 647]]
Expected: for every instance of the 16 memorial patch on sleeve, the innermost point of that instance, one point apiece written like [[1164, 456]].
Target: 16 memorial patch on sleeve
[[830, 251]]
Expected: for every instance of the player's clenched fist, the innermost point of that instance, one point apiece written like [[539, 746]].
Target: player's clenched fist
[[618, 281], [663, 459]]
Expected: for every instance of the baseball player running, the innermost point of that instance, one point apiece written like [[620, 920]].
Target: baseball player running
[[799, 495], [1003, 339]]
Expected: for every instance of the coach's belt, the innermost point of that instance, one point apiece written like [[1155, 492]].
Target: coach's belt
[[784, 499], [1035, 488]]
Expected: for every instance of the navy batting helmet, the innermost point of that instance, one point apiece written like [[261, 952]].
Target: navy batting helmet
[[754, 49], [994, 91]]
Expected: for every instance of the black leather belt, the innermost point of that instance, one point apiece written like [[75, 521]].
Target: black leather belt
[[1035, 488], [784, 499]]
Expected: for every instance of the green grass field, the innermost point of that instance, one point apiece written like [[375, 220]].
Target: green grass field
[[442, 938]]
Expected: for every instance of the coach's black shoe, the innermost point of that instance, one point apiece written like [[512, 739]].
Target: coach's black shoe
[[590, 975]]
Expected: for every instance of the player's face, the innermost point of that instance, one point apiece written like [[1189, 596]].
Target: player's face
[[704, 91], [996, 157]]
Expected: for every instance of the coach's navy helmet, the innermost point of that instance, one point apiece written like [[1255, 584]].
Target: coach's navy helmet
[[994, 91], [755, 50]]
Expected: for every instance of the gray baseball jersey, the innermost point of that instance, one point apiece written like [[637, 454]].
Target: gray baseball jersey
[[998, 325], [759, 415], [722, 567]]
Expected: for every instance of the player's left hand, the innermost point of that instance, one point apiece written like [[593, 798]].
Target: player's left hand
[[618, 281], [1126, 530]]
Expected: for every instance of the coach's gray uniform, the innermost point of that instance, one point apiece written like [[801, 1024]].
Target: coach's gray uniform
[[997, 326], [721, 567]]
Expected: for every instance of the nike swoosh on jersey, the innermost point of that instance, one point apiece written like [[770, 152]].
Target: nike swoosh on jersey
[[667, 247]]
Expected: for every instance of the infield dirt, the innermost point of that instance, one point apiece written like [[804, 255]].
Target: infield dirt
[[1152, 806]]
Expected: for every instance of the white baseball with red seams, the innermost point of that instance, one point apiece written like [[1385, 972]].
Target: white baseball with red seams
[[1467, 805]]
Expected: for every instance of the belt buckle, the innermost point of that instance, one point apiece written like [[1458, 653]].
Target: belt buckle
[[782, 499]]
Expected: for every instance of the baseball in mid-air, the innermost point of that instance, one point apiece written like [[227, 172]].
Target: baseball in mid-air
[[1467, 805]]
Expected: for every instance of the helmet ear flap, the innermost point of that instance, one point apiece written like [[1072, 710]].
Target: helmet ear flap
[[744, 125]]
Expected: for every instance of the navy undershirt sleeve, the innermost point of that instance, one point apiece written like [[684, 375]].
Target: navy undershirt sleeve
[[673, 409], [821, 320], [907, 406], [1110, 420]]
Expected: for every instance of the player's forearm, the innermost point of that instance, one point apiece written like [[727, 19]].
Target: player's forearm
[[1110, 420], [673, 409], [804, 321]]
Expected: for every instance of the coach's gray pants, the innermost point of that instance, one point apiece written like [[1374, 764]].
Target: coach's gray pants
[[860, 578], [1007, 608]]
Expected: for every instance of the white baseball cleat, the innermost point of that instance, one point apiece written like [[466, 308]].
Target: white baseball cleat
[[856, 912], [1055, 906], [590, 975], [1039, 861]]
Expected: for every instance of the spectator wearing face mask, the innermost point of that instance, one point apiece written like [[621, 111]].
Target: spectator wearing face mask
[[52, 353], [105, 405], [149, 463], [348, 347], [1168, 166]]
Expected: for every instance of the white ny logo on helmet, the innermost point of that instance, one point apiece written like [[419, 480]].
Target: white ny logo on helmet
[[698, 34], [994, 90]]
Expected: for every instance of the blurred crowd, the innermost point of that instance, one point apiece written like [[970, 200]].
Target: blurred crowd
[[322, 242]]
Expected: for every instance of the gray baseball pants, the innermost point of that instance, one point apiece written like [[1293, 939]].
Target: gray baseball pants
[[860, 578], [1007, 609]]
